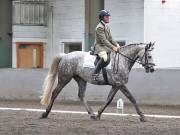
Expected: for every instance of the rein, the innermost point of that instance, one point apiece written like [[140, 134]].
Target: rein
[[131, 60]]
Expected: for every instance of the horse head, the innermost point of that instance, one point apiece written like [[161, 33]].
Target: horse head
[[146, 58]]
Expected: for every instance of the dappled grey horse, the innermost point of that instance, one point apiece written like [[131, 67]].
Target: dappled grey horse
[[70, 65]]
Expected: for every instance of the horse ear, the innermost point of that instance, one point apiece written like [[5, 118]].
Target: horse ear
[[149, 45], [152, 45]]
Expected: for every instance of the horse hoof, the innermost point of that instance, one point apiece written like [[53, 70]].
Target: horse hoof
[[93, 117], [142, 119], [98, 118], [44, 115]]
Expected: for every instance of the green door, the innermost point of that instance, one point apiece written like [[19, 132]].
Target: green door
[[5, 33]]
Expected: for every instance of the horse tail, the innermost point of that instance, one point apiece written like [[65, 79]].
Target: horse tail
[[49, 81]]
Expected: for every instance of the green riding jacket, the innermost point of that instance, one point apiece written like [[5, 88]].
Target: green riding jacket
[[103, 38]]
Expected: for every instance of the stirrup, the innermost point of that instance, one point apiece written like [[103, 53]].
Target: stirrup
[[95, 77]]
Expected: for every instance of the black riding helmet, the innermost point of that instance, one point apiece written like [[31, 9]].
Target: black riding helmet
[[103, 13]]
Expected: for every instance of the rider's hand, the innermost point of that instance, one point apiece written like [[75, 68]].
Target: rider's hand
[[115, 49], [117, 45]]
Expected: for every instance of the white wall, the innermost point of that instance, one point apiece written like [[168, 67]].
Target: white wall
[[127, 19], [26, 84], [162, 24], [133, 21], [67, 23]]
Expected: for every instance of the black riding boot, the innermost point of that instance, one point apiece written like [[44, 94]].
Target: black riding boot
[[100, 64]]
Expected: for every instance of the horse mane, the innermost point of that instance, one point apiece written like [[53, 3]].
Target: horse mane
[[131, 45], [135, 44]]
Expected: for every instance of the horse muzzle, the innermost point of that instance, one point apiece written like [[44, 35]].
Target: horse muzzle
[[150, 69]]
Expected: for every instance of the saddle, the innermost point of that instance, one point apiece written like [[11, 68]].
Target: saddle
[[90, 61]]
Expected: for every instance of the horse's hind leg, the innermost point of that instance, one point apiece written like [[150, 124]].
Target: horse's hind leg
[[81, 94], [55, 93], [127, 93]]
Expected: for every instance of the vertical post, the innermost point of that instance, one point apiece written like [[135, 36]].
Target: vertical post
[[92, 8], [5, 33]]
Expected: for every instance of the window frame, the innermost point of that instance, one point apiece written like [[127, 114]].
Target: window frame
[[42, 7]]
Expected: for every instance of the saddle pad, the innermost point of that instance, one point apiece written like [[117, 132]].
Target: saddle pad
[[89, 61]]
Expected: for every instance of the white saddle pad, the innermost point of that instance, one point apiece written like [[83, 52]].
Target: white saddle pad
[[89, 61]]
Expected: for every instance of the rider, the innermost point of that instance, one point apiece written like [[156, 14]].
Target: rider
[[103, 42]]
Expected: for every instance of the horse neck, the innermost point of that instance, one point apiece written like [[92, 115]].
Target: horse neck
[[132, 53]]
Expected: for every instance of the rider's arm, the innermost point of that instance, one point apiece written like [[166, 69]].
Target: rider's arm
[[102, 37], [113, 41]]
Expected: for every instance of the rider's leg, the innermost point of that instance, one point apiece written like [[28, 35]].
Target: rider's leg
[[97, 59], [108, 59], [100, 64]]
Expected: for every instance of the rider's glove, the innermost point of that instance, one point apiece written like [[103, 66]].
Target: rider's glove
[[115, 49], [117, 45]]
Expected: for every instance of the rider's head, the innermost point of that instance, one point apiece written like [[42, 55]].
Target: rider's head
[[104, 16]]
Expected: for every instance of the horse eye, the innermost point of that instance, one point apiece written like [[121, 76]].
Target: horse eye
[[149, 57]]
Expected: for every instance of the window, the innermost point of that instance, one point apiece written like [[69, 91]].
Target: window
[[70, 47], [30, 12]]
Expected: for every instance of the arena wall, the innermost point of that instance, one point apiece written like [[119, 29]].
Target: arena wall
[[161, 87]]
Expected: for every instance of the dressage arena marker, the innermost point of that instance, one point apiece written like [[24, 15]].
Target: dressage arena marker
[[120, 105], [78, 112]]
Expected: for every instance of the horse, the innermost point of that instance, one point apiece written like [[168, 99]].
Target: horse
[[70, 65]]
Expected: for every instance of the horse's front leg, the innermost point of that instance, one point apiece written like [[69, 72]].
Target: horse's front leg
[[127, 93], [111, 94]]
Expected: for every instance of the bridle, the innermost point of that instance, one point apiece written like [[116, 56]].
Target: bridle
[[136, 60], [147, 49]]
